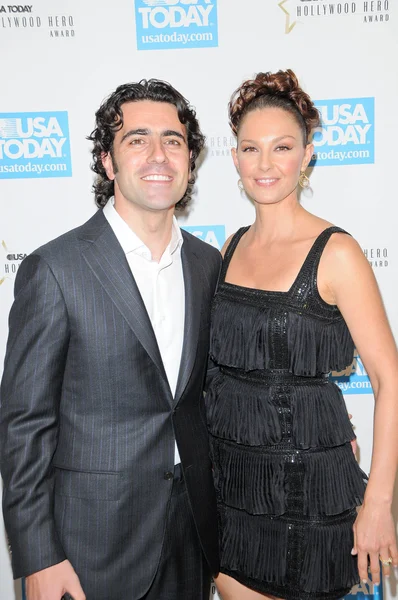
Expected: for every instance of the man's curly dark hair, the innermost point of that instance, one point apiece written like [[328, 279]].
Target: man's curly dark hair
[[109, 120]]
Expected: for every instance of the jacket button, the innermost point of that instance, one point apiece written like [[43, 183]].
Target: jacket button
[[168, 475]]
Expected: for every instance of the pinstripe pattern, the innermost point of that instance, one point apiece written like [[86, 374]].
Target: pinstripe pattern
[[88, 421]]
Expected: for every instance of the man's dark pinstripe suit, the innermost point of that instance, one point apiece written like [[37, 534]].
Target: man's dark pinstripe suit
[[88, 422]]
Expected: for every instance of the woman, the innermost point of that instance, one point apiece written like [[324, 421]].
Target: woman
[[284, 316]]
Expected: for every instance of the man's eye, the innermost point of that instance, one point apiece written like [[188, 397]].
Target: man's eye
[[173, 142], [136, 141]]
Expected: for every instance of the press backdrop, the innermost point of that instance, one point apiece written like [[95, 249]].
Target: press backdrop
[[60, 59]]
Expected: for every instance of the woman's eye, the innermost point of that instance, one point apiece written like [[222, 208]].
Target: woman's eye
[[283, 148], [248, 149]]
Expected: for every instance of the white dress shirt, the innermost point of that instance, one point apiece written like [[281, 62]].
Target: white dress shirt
[[161, 285]]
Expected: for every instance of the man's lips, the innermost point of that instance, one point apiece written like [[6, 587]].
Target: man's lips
[[157, 177]]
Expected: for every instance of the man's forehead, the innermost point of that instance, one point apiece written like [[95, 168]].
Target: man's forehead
[[159, 115]]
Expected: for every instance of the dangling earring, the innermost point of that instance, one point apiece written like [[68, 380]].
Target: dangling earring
[[240, 185], [304, 181]]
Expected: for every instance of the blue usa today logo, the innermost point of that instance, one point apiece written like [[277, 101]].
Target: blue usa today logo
[[347, 132], [163, 24], [366, 591], [354, 379], [211, 234], [34, 144]]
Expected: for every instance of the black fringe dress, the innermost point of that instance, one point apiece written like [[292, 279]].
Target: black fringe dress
[[287, 481]]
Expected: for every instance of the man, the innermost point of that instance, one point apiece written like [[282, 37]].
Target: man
[[106, 358]]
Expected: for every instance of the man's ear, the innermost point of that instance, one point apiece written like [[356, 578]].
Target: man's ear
[[189, 166], [107, 163]]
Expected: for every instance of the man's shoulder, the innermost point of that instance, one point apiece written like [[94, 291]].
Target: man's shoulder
[[68, 243], [201, 248]]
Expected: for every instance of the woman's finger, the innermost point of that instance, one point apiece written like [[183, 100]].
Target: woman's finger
[[394, 554], [354, 446], [385, 560], [375, 567], [354, 550], [363, 565]]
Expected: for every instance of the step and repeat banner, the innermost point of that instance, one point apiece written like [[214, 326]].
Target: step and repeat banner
[[60, 59]]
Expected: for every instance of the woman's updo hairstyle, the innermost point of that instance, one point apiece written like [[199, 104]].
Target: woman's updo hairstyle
[[274, 90]]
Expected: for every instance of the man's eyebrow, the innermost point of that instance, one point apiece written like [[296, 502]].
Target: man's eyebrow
[[166, 133], [134, 132], [172, 133]]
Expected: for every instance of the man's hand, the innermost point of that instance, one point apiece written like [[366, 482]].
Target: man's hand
[[52, 583]]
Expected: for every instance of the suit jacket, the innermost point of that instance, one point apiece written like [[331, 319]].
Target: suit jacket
[[88, 421]]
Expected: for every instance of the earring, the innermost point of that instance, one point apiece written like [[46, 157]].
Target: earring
[[240, 185], [304, 181]]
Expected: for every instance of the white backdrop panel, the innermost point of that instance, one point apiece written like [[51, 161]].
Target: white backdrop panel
[[68, 57]]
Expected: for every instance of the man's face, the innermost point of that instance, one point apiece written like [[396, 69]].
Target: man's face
[[151, 160]]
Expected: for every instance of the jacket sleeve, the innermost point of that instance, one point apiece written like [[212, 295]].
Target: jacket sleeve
[[29, 407]]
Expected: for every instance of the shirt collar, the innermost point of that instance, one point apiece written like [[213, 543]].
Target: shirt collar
[[129, 241]]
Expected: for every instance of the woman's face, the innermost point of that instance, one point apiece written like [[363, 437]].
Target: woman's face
[[270, 154]]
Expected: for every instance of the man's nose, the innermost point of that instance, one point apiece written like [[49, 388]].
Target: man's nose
[[157, 152]]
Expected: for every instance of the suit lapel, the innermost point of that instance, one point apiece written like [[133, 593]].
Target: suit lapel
[[193, 302], [106, 259]]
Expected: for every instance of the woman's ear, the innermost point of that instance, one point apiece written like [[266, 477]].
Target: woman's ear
[[235, 158], [309, 151]]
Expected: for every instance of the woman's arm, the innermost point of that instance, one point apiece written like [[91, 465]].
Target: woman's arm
[[346, 276]]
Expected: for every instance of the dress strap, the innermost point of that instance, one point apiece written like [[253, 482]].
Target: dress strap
[[230, 250], [309, 270]]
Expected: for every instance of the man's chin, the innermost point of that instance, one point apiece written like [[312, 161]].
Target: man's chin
[[151, 203], [162, 202]]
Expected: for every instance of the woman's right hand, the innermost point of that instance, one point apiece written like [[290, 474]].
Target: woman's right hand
[[374, 540]]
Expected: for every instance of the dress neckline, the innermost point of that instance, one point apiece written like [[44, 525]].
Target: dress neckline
[[239, 234]]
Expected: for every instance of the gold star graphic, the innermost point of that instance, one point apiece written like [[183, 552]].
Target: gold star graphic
[[2, 279], [288, 26]]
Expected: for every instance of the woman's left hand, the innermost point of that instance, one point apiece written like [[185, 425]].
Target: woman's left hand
[[374, 537]]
